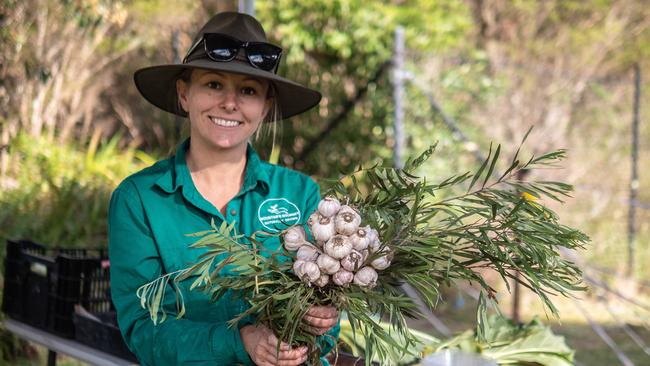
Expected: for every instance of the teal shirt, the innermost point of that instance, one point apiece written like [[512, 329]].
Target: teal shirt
[[149, 216]]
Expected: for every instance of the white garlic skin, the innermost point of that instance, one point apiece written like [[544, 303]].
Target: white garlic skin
[[347, 222], [338, 246], [322, 280], [343, 278], [359, 239], [294, 234], [293, 246], [310, 272], [329, 206], [381, 263], [366, 277], [374, 246], [328, 264], [313, 218], [365, 254], [323, 229], [352, 261], [371, 234], [307, 253], [297, 268], [382, 258]]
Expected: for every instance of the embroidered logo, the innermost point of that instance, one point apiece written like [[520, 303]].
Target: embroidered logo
[[276, 214]]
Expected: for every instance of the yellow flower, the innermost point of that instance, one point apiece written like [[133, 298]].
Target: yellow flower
[[528, 197]]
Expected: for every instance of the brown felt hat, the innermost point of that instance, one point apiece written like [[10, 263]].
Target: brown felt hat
[[158, 83]]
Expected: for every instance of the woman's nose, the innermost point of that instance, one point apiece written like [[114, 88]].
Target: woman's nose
[[229, 101]]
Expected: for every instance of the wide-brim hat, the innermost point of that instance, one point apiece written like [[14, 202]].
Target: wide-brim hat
[[157, 84]]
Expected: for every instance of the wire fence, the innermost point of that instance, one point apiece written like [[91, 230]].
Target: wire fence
[[592, 280]]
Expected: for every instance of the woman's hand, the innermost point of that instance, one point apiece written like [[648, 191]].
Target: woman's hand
[[321, 318], [261, 345]]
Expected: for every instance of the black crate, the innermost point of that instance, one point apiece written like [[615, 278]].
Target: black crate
[[42, 285], [100, 331]]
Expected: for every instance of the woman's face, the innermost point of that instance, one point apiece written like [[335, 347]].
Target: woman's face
[[225, 109]]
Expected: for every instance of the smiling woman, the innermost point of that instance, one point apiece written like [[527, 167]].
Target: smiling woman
[[226, 109], [228, 87]]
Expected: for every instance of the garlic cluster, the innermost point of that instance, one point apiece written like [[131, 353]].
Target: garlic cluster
[[344, 252]]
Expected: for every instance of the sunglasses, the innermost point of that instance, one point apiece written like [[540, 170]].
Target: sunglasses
[[223, 48]]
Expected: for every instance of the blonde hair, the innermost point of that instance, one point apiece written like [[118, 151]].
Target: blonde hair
[[269, 124]]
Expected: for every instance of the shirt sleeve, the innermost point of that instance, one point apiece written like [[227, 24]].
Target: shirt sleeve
[[135, 261], [327, 342]]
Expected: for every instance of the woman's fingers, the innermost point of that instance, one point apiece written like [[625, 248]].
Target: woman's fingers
[[286, 355], [321, 318], [323, 312], [286, 358], [320, 322]]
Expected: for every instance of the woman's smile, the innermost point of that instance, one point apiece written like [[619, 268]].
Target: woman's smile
[[221, 122]]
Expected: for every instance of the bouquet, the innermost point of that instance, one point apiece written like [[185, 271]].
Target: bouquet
[[361, 245]]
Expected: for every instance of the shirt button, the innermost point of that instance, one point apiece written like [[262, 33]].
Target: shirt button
[[233, 212]]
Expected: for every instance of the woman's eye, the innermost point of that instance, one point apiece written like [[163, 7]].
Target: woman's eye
[[247, 90], [214, 85]]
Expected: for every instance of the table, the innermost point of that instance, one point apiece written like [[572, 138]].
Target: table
[[66, 346]]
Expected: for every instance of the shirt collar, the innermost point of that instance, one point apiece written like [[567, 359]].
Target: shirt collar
[[178, 173]]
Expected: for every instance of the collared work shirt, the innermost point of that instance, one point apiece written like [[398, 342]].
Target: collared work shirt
[[150, 214]]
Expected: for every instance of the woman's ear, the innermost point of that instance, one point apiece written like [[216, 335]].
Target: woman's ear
[[181, 92]]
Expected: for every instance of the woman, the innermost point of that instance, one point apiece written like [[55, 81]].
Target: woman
[[227, 86]]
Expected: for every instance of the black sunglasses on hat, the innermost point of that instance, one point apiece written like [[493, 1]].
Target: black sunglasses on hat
[[224, 48]]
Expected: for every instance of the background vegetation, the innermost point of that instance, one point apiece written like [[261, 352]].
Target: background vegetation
[[72, 124]]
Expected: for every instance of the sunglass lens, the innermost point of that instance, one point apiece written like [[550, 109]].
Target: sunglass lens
[[220, 47], [263, 56]]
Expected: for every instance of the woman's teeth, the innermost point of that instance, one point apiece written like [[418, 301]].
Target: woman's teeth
[[224, 122]]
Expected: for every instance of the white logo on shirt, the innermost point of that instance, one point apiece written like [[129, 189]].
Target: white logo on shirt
[[276, 214]]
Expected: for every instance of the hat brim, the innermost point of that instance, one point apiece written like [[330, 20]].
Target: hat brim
[[157, 84]]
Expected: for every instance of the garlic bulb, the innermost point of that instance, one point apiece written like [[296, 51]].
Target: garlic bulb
[[366, 277], [307, 253], [383, 261], [364, 255], [297, 268], [328, 264], [313, 218], [359, 239], [329, 206], [310, 272], [294, 234], [323, 229], [371, 234], [347, 222], [338, 246], [322, 280], [343, 278], [292, 246], [374, 245], [352, 261]]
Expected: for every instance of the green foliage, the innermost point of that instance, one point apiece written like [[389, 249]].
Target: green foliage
[[496, 224], [58, 194], [337, 47], [508, 343], [356, 345]]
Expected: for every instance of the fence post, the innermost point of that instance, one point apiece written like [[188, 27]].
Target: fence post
[[634, 182], [247, 6], [398, 94]]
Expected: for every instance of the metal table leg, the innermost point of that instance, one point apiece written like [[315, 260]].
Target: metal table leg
[[51, 358]]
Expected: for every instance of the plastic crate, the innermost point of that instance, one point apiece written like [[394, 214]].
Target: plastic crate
[[100, 331], [42, 285]]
